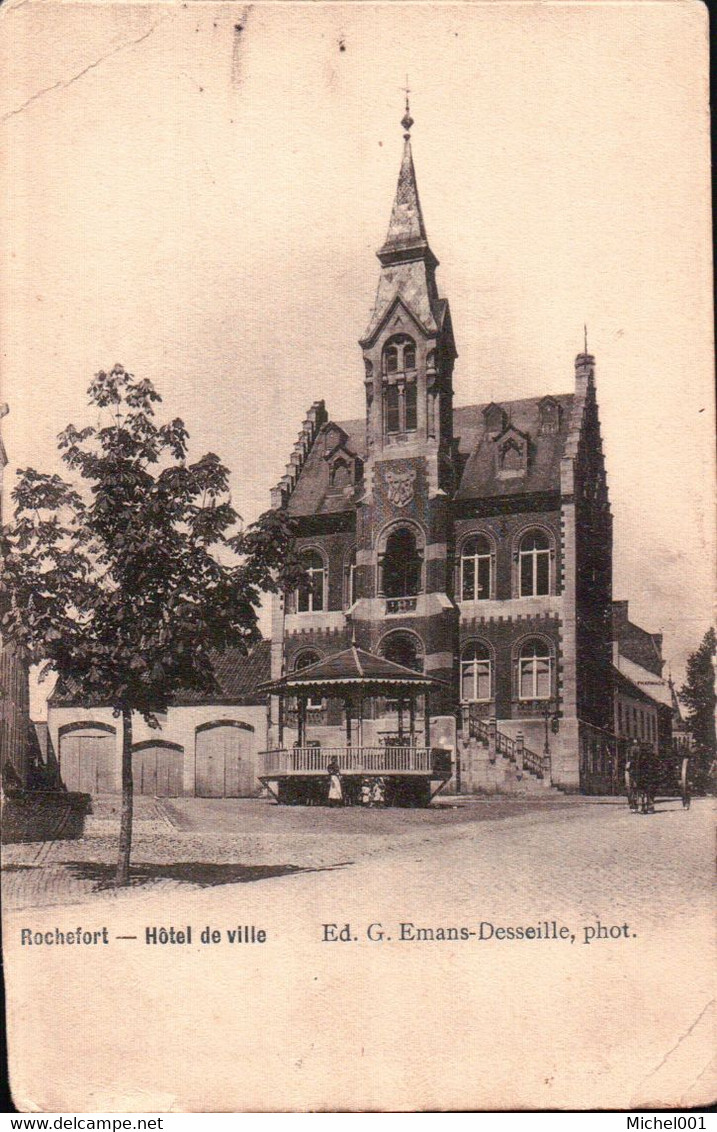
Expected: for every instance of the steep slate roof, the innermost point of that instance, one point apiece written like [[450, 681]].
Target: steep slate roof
[[626, 687], [406, 228], [238, 676], [480, 478], [312, 496], [635, 643]]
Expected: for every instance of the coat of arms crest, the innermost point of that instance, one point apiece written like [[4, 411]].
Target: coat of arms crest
[[400, 485]]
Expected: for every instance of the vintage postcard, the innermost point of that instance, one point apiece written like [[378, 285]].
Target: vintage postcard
[[357, 671]]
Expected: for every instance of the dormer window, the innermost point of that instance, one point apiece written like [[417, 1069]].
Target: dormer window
[[340, 475], [511, 457], [511, 453], [550, 414], [495, 418]]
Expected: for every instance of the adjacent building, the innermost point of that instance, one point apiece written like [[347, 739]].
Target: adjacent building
[[205, 746]]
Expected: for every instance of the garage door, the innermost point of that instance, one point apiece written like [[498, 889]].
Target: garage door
[[225, 761], [87, 761], [157, 769]]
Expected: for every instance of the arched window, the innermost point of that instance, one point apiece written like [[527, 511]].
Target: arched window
[[399, 354], [401, 572], [535, 670], [534, 564], [403, 648], [312, 591], [476, 581], [390, 359], [475, 672], [303, 660]]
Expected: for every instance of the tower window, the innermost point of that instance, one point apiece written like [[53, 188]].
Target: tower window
[[534, 671], [534, 564], [475, 673], [399, 354], [476, 569], [340, 475], [312, 590], [393, 409], [411, 407], [402, 565]]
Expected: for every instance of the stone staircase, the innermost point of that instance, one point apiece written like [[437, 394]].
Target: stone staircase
[[492, 762]]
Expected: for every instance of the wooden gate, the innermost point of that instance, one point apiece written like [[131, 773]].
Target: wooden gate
[[87, 760], [158, 768], [225, 760]]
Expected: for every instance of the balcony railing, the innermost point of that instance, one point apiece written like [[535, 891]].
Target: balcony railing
[[401, 604], [358, 760]]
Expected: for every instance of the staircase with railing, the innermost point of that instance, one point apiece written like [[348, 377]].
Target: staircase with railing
[[519, 758]]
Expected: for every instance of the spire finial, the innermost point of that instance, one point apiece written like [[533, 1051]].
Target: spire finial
[[585, 329], [407, 120]]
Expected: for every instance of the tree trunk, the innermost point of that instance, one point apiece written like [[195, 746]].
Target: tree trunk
[[125, 838]]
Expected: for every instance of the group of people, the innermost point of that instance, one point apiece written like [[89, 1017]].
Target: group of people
[[372, 791]]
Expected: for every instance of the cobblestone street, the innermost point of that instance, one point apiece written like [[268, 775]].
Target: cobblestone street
[[204, 842], [199, 843]]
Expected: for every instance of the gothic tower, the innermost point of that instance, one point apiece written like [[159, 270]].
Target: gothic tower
[[404, 608]]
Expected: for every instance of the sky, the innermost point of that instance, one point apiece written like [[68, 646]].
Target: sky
[[197, 191]]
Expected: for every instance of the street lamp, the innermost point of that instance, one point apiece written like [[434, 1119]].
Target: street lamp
[[551, 718]]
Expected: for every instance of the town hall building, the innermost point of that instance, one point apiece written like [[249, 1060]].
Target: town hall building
[[455, 628], [472, 543]]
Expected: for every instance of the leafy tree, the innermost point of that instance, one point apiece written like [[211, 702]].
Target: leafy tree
[[126, 583], [698, 695]]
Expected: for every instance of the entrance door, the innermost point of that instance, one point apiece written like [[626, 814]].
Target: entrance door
[[87, 762], [225, 764], [157, 769]]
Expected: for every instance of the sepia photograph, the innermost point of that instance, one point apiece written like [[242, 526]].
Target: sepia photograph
[[357, 557]]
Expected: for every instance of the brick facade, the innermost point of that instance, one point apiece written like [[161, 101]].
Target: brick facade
[[411, 483]]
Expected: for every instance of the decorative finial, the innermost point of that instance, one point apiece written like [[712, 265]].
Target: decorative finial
[[407, 120], [585, 328]]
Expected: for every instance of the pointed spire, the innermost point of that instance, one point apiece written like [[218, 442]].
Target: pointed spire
[[406, 230]]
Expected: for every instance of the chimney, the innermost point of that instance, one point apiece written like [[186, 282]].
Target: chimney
[[584, 369]]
